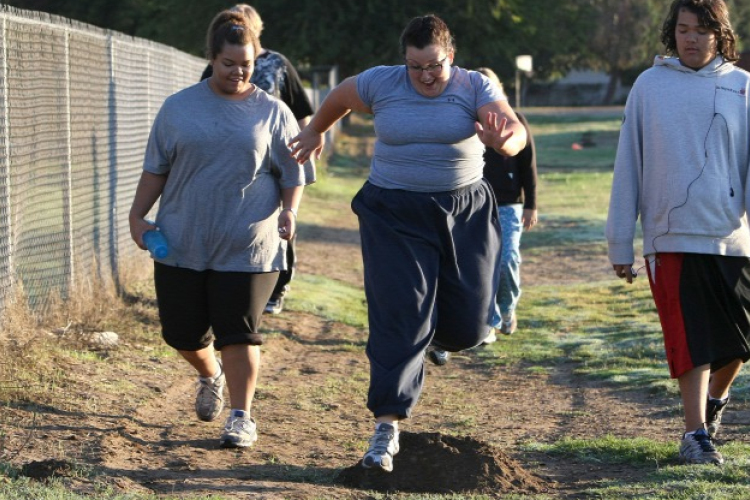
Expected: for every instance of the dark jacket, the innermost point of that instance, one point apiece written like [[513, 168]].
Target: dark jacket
[[513, 178]]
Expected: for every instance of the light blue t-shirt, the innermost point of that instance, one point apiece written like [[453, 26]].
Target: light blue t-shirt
[[425, 144], [227, 161]]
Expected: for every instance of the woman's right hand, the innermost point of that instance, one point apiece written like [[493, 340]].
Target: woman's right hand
[[138, 226], [306, 143], [624, 271]]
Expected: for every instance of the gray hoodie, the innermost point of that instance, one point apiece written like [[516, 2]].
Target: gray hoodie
[[682, 162]]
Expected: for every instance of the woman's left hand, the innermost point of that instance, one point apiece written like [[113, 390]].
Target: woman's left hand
[[287, 224], [492, 132], [529, 218]]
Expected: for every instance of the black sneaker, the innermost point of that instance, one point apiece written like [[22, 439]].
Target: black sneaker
[[275, 306], [714, 409], [698, 448], [438, 357]]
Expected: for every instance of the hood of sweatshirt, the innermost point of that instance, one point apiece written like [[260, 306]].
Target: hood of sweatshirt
[[714, 69]]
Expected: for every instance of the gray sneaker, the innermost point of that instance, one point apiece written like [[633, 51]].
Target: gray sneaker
[[714, 409], [209, 399], [239, 430], [383, 446], [698, 449]]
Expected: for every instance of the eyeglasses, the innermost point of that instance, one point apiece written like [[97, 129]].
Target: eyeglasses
[[430, 68]]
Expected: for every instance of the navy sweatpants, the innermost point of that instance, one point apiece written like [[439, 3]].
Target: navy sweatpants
[[431, 273]]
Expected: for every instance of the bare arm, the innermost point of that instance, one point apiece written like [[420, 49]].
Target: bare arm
[[150, 187], [341, 101], [499, 128], [302, 123]]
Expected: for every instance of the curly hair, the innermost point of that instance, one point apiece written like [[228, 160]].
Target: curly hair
[[426, 30], [713, 15], [230, 26]]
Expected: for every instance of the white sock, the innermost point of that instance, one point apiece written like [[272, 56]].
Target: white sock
[[720, 400]]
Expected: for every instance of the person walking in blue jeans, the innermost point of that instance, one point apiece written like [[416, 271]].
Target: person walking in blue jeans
[[513, 180]]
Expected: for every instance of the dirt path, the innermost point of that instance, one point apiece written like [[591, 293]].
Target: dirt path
[[311, 415]]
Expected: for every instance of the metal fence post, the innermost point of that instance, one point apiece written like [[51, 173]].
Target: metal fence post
[[7, 280]]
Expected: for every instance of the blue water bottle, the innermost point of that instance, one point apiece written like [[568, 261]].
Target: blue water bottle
[[156, 243]]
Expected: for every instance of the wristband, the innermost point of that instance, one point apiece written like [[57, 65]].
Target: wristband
[[293, 210]]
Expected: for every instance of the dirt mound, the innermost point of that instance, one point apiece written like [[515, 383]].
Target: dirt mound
[[46, 469], [434, 463]]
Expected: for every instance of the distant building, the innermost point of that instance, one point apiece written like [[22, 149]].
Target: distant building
[[577, 88]]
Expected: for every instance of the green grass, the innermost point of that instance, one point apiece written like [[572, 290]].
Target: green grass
[[343, 303], [555, 135], [22, 488], [662, 478]]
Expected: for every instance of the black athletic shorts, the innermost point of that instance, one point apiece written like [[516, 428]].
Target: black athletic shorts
[[200, 307], [704, 308]]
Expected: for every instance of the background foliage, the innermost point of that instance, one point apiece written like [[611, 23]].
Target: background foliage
[[617, 36]]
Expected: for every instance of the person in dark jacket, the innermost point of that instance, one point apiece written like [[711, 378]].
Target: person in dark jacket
[[513, 179]]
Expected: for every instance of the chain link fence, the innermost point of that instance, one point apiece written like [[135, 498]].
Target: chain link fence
[[77, 107]]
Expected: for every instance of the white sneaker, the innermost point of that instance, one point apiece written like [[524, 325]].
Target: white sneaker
[[275, 306], [239, 430], [383, 446], [209, 398], [490, 338]]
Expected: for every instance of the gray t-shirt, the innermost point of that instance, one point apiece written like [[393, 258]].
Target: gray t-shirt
[[425, 144], [227, 161]]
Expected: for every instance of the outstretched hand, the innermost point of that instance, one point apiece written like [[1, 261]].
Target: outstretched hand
[[308, 142], [492, 132]]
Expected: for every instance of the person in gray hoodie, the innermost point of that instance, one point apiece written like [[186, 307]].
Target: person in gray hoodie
[[681, 166]]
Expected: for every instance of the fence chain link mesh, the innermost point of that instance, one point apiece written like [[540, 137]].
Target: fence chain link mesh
[[77, 106]]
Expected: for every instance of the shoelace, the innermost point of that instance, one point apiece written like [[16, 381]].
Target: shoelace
[[212, 388], [704, 441], [238, 424], [380, 441]]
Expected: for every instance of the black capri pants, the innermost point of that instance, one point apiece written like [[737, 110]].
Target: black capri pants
[[431, 275], [200, 307]]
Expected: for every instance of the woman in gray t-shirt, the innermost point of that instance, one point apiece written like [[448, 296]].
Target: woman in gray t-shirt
[[218, 162], [428, 222]]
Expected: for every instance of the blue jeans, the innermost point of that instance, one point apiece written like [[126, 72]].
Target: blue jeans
[[509, 289]]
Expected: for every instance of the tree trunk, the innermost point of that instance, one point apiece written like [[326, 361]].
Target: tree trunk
[[614, 81]]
